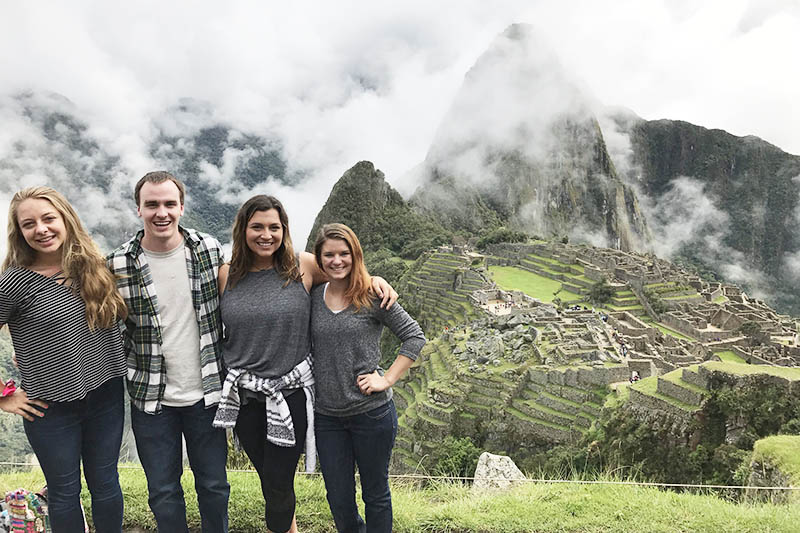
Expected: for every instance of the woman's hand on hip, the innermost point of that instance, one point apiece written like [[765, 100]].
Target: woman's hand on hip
[[369, 383], [19, 404]]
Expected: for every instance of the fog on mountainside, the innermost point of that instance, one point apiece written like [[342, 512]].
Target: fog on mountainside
[[47, 142], [523, 146]]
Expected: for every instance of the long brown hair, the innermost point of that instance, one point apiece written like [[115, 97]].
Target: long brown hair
[[284, 261], [80, 258], [358, 289]]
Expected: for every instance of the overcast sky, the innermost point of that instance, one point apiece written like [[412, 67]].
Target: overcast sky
[[350, 80]]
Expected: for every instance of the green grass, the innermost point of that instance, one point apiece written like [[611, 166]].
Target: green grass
[[453, 508], [617, 398], [649, 386], [671, 332], [790, 373], [676, 377], [730, 356], [534, 285], [781, 451]]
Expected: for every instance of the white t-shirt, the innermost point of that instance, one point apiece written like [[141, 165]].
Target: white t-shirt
[[180, 335]]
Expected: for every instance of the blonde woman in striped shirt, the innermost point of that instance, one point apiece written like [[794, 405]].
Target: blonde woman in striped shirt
[[62, 306]]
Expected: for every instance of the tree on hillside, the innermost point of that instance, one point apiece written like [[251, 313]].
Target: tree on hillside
[[601, 292], [501, 234]]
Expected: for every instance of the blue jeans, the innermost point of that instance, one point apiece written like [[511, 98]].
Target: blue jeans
[[88, 429], [365, 440], [158, 443]]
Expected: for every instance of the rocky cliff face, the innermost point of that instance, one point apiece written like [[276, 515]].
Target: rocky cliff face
[[739, 197], [377, 213], [520, 147]]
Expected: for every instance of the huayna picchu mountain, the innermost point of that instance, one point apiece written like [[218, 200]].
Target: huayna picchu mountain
[[521, 147]]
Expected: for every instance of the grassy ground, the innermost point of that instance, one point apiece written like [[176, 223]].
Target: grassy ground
[[511, 278], [782, 451], [669, 331], [445, 507], [649, 386], [791, 373], [730, 357]]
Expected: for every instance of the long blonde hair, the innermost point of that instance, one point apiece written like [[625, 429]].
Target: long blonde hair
[[81, 259], [358, 288]]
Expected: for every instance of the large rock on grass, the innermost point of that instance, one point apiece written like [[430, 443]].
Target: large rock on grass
[[496, 472]]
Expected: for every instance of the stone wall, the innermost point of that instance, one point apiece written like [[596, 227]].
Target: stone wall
[[679, 393]]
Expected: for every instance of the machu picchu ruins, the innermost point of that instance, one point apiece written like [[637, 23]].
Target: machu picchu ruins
[[520, 371]]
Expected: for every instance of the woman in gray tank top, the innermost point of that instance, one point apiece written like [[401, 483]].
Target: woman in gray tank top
[[265, 306]]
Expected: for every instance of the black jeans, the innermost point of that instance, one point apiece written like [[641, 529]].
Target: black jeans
[[275, 465], [88, 429]]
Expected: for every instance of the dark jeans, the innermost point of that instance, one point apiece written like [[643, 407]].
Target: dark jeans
[[365, 440], [88, 429], [158, 442], [275, 465]]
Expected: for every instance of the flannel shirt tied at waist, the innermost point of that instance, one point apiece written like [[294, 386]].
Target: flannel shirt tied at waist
[[280, 428]]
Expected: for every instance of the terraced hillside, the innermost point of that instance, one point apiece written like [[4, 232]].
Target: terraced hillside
[[437, 288], [506, 401], [528, 365], [524, 408]]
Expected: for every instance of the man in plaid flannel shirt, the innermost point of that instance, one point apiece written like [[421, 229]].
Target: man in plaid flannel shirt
[[168, 277]]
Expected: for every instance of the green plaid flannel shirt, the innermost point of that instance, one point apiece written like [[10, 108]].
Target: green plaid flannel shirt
[[142, 332]]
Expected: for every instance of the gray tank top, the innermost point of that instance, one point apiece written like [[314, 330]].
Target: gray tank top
[[266, 324]]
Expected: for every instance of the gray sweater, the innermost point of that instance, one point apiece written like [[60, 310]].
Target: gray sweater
[[347, 344]]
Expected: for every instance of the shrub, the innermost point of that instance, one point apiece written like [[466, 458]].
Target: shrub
[[457, 457], [601, 292]]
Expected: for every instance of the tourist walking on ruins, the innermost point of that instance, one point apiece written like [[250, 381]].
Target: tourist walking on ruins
[[356, 421], [268, 395], [62, 306]]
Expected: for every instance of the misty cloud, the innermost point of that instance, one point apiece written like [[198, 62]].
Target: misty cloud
[[338, 83], [686, 215]]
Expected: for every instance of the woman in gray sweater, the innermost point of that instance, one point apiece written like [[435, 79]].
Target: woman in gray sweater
[[356, 421], [268, 392]]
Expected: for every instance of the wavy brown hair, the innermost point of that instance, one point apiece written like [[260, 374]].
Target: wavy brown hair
[[358, 289], [284, 260], [81, 259]]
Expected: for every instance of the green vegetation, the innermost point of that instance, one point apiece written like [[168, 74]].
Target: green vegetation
[[729, 356], [601, 293], [671, 332], [655, 301], [447, 507], [501, 234], [782, 452], [534, 285], [458, 457], [649, 386], [790, 373]]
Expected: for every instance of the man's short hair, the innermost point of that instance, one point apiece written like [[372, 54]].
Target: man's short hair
[[158, 176]]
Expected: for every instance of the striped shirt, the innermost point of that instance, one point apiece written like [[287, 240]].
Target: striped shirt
[[143, 335], [59, 358]]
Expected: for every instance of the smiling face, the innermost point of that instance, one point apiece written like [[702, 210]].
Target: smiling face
[[42, 226], [160, 209], [337, 259], [264, 236]]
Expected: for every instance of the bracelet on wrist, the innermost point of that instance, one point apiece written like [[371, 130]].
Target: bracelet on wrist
[[8, 389]]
